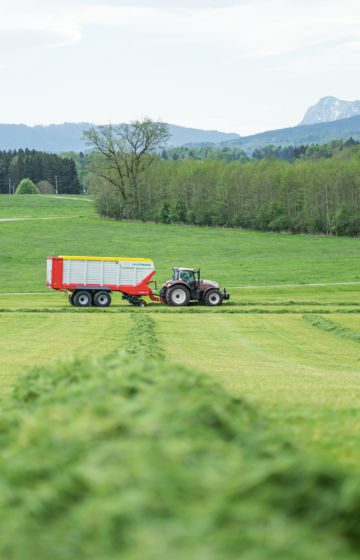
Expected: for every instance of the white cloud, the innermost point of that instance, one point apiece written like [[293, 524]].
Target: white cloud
[[255, 28], [23, 30], [226, 63]]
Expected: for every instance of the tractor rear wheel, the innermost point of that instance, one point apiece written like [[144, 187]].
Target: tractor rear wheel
[[178, 295], [213, 297], [102, 299], [82, 299]]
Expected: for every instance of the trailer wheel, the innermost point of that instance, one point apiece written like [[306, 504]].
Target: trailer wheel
[[213, 297], [102, 299], [71, 299], [178, 296], [82, 299]]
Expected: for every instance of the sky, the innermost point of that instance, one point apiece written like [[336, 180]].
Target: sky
[[233, 65]]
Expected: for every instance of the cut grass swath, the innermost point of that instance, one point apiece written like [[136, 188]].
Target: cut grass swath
[[329, 326], [138, 458]]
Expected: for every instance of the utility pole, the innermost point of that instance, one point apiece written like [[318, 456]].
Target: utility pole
[[56, 185], [10, 189]]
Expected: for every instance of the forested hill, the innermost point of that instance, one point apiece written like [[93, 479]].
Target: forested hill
[[299, 135], [68, 137]]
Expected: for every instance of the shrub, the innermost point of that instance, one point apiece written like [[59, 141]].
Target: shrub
[[272, 217], [347, 221], [26, 186], [165, 213]]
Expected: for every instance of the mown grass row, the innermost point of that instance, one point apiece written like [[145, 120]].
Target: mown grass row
[[142, 340], [189, 310], [329, 326], [298, 303], [132, 457]]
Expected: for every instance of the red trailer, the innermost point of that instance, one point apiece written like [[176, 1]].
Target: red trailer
[[90, 280]]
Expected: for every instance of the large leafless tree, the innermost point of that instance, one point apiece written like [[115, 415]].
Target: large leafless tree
[[125, 151]]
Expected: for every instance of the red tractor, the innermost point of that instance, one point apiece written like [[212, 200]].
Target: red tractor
[[186, 285]]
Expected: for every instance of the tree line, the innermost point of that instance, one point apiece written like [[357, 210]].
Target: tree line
[[310, 194], [38, 166], [234, 152], [320, 196]]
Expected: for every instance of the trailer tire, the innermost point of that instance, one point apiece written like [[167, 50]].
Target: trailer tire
[[213, 298], [177, 296], [71, 299], [82, 299], [102, 299]]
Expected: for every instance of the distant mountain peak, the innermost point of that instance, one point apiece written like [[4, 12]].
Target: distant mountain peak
[[329, 109]]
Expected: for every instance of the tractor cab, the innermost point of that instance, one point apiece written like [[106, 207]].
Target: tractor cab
[[190, 276]]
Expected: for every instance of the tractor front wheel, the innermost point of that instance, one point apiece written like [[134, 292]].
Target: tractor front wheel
[[213, 297], [178, 296]]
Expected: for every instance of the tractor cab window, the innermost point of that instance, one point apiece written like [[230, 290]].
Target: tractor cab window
[[188, 277]]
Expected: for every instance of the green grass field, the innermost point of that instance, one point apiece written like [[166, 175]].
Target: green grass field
[[291, 351], [235, 258], [31, 206], [48, 338]]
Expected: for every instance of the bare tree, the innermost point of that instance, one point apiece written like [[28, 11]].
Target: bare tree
[[125, 151]]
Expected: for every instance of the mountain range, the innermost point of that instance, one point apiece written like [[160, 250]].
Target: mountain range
[[68, 136], [330, 119], [301, 135]]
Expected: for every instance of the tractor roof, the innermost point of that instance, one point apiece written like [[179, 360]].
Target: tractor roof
[[182, 268]]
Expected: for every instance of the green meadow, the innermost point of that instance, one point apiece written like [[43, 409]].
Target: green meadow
[[45, 206], [233, 257], [205, 420]]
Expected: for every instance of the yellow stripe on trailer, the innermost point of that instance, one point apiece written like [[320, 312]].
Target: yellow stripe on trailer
[[114, 259]]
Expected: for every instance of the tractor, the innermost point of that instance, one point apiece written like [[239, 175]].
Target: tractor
[[186, 285]]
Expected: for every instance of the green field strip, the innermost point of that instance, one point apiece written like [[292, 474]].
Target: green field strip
[[236, 257], [297, 303], [302, 379], [351, 322], [42, 339], [181, 311], [15, 300], [40, 206], [329, 326], [51, 299]]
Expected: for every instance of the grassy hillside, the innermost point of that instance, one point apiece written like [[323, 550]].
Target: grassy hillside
[[234, 258], [44, 206]]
